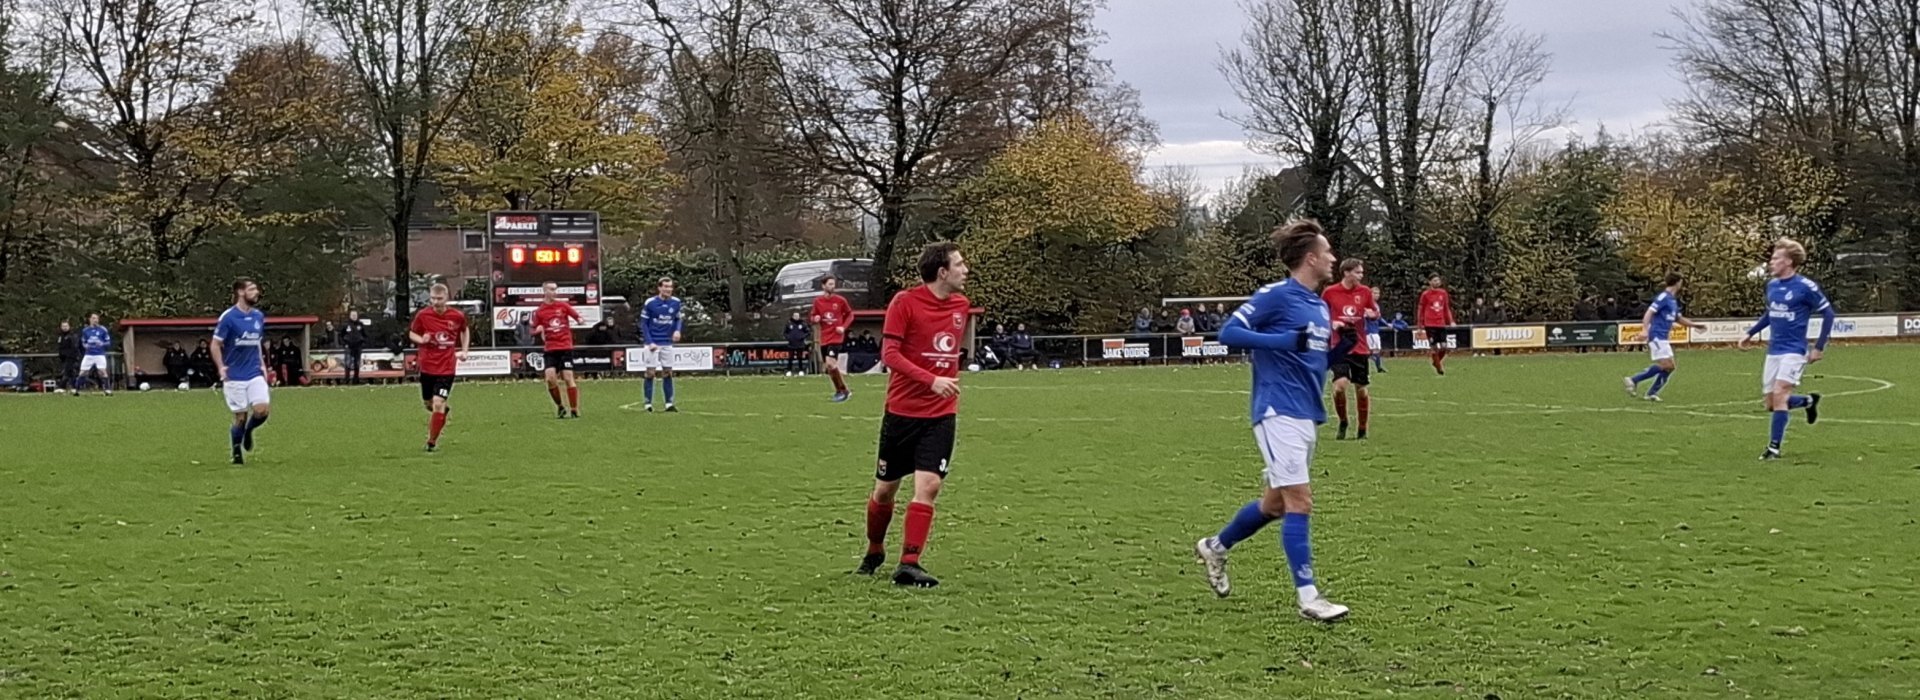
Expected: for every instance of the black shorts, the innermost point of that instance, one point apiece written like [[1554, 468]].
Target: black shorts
[[1435, 336], [560, 359], [909, 445], [831, 349], [435, 385], [1354, 368]]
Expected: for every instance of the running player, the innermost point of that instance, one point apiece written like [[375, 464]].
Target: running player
[[1287, 329], [242, 367], [832, 315], [1791, 302], [660, 324], [1436, 315], [920, 345], [1659, 320], [438, 329], [97, 341], [1352, 305], [553, 322]]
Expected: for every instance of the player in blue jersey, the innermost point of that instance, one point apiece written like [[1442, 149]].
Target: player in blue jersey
[[1288, 330], [1792, 300], [1661, 316], [1374, 326], [243, 368], [97, 341], [660, 324]]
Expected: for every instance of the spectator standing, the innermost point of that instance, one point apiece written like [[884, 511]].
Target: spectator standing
[[1022, 351], [797, 334], [200, 363], [176, 363], [70, 350], [354, 338], [1143, 322], [1185, 325]]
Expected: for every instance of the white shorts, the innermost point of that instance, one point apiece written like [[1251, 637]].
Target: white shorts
[[1287, 446], [659, 357], [1660, 350], [1782, 368], [246, 394], [89, 363], [1373, 341]]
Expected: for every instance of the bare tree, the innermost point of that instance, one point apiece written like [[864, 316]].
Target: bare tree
[[1500, 82], [1418, 62], [720, 69], [143, 70], [402, 54], [883, 91], [1298, 73]]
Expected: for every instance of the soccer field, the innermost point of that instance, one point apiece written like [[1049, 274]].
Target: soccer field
[[1518, 528]]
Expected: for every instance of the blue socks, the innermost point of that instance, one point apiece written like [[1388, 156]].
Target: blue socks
[[1293, 539], [1379, 363], [649, 389], [237, 432], [1650, 372], [1779, 428], [1659, 381], [668, 382], [1798, 401], [1244, 524]]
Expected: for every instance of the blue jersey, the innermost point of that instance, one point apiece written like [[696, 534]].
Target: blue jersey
[[240, 334], [659, 319], [1791, 304], [1666, 310], [96, 339], [1374, 325], [1288, 328]]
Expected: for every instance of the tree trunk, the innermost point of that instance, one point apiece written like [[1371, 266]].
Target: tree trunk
[[880, 279], [402, 267]]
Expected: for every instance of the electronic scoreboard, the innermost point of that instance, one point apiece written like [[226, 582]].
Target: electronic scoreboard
[[532, 248]]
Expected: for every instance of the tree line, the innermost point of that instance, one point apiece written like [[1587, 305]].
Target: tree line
[[151, 150]]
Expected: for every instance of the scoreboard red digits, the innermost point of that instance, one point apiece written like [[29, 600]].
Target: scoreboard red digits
[[530, 248]]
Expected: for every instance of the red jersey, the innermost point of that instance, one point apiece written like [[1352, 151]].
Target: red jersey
[[1436, 308], [555, 321], [920, 341], [1351, 306], [832, 314], [443, 331]]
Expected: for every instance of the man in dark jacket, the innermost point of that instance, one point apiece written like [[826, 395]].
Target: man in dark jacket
[[70, 351], [797, 334], [1023, 354], [353, 336], [176, 363], [201, 364]]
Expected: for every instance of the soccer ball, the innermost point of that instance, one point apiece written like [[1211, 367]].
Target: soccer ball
[[145, 386], [183, 386], [973, 368]]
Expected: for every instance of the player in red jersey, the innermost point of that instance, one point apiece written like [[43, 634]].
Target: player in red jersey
[[437, 330], [1351, 303], [553, 322], [832, 315], [920, 345], [1436, 315]]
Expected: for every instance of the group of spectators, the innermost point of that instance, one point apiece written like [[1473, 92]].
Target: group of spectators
[[1015, 349], [1197, 319]]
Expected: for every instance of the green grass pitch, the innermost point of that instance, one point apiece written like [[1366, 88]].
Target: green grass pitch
[[1518, 528]]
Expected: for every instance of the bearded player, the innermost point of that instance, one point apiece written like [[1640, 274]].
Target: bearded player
[[440, 331], [553, 322], [833, 315], [1352, 305], [1436, 315], [920, 345]]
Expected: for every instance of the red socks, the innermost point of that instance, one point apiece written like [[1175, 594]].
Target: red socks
[[839, 385], [1365, 402], [879, 515], [1439, 360], [554, 391], [435, 425], [573, 398], [919, 523], [1340, 405]]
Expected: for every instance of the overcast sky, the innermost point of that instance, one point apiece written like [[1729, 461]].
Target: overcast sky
[[1609, 67]]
